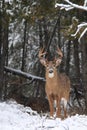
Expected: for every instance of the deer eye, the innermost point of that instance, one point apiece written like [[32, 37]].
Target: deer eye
[[53, 65], [47, 65]]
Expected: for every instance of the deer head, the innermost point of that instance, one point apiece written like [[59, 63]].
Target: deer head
[[50, 65]]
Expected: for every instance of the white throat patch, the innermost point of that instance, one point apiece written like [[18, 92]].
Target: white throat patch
[[51, 75]]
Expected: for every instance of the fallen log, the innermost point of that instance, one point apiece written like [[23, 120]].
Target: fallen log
[[23, 74]]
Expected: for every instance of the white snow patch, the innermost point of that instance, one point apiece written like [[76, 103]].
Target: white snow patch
[[17, 117]]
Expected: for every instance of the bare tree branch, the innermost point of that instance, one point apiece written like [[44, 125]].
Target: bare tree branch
[[76, 6], [71, 5]]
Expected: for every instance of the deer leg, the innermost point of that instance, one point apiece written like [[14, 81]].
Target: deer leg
[[65, 113], [51, 104], [65, 107], [58, 108]]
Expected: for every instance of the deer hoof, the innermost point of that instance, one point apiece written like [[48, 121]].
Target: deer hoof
[[51, 117]]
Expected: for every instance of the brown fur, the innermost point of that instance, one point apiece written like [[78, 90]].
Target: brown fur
[[57, 85], [57, 88]]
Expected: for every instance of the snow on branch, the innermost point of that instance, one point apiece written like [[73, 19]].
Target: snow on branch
[[23, 74], [64, 6], [72, 5], [83, 27], [85, 2], [82, 34]]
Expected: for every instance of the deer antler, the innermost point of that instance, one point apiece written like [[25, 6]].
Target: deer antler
[[42, 58], [41, 53], [59, 59], [59, 52]]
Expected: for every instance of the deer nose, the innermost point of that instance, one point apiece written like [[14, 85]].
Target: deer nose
[[50, 71]]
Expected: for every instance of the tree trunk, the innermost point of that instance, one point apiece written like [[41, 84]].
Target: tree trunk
[[59, 29], [40, 34], [68, 58], [3, 48], [1, 65], [24, 46], [46, 37], [84, 66], [76, 60], [23, 55], [6, 59]]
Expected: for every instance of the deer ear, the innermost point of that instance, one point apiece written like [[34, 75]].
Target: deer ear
[[58, 61]]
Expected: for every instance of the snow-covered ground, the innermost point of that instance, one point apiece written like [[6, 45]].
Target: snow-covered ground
[[14, 116]]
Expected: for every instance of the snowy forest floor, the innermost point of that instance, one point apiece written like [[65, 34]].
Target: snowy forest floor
[[14, 116]]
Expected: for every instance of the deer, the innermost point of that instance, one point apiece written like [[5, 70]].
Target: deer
[[57, 85]]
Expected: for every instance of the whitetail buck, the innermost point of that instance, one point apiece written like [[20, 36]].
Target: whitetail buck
[[57, 84]]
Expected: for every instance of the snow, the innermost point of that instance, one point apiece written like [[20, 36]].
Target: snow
[[82, 34], [64, 6], [79, 27], [8, 1], [14, 116], [85, 2], [71, 5]]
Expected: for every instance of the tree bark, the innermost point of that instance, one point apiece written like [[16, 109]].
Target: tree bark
[[3, 48], [68, 58], [46, 37], [40, 34], [6, 58], [76, 60], [59, 29], [24, 46], [1, 65], [84, 66]]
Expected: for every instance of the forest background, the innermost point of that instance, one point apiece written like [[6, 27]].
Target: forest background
[[25, 27]]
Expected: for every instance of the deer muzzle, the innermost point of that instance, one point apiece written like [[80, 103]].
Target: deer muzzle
[[51, 73]]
